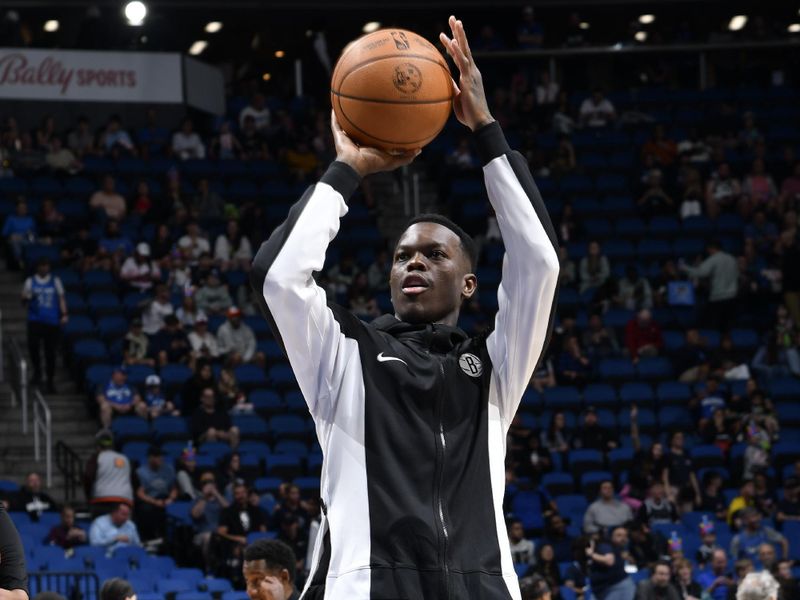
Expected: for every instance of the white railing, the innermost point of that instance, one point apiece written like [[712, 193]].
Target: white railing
[[42, 426], [19, 380]]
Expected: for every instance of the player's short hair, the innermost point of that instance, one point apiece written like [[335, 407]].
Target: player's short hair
[[467, 243], [275, 553], [116, 589]]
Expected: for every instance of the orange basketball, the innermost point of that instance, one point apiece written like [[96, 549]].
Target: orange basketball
[[391, 89]]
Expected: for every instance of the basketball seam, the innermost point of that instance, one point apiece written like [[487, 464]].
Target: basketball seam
[[382, 101], [357, 66]]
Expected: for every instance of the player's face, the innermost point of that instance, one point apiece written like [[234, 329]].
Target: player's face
[[430, 275]]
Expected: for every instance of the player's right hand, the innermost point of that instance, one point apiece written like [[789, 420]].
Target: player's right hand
[[363, 159]]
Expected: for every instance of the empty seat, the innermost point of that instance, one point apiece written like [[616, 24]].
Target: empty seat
[[558, 484]]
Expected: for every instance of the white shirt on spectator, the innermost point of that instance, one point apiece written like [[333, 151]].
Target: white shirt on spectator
[[153, 316], [261, 117], [198, 245], [597, 115], [547, 94], [140, 275], [187, 146], [222, 249]]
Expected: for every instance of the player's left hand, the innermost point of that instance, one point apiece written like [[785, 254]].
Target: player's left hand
[[469, 103]]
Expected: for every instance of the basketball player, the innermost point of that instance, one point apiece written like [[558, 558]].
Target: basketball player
[[13, 573], [411, 413]]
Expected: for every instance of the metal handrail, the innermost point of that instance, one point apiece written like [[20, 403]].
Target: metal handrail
[[69, 464], [42, 424], [19, 380]]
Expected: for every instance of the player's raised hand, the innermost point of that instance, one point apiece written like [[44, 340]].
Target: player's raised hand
[[469, 103], [363, 159]]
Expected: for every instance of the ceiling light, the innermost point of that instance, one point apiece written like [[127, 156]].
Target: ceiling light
[[213, 26], [51, 26], [794, 28], [737, 22], [266, 76], [135, 12], [371, 26], [646, 19], [279, 53], [198, 47], [584, 25], [641, 36]]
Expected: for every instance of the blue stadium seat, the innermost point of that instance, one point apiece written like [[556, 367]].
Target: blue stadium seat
[[104, 303], [136, 452], [287, 426], [558, 484], [173, 376], [654, 368], [582, 461], [217, 450], [707, 455], [281, 376], [6, 485], [167, 427], [620, 459], [250, 376], [562, 398], [78, 326], [308, 485], [675, 417], [235, 595], [112, 327], [788, 412], [138, 373], [267, 484], [646, 420], [599, 395], [192, 575], [215, 586], [285, 466], [173, 586], [527, 507], [127, 427], [618, 248], [784, 389], [250, 426], [141, 583], [266, 402], [571, 505], [179, 512], [616, 369], [291, 447], [636, 393], [744, 339], [90, 351], [653, 249], [673, 392]]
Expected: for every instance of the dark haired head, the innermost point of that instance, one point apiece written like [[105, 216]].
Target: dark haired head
[[116, 589], [468, 245], [276, 554]]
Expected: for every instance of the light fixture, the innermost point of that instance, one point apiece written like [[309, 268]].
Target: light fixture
[[266, 76], [371, 26], [51, 26], [737, 22], [584, 25], [135, 12], [794, 28], [198, 47], [279, 53], [213, 26], [641, 36], [646, 19]]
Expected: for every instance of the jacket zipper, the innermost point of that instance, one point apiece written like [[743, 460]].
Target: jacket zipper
[[439, 503]]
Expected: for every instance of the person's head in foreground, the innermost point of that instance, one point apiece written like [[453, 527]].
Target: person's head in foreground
[[269, 570], [117, 589], [534, 588], [758, 586], [661, 574], [432, 271]]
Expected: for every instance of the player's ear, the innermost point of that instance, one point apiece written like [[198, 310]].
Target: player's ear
[[285, 577], [469, 285]]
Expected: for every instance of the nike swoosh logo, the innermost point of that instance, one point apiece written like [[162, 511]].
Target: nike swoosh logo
[[382, 358]]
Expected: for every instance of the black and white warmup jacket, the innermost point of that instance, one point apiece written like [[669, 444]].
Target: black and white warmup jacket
[[412, 419]]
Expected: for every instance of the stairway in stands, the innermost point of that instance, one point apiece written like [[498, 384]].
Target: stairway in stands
[[70, 421]]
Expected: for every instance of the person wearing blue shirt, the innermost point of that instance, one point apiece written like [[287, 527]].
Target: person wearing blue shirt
[[155, 491], [119, 398], [43, 295], [717, 581], [152, 138], [19, 229], [113, 241], [114, 530]]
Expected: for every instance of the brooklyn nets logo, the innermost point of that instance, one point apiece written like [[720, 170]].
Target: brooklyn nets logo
[[471, 365], [407, 78]]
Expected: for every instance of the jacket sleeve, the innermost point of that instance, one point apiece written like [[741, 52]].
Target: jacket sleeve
[[527, 293], [311, 333]]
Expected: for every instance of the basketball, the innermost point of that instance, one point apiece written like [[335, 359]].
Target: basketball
[[391, 89]]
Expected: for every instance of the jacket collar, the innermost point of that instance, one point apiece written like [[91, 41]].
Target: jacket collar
[[434, 336]]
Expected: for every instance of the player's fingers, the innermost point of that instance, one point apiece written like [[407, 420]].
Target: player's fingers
[[458, 56], [456, 90], [461, 36], [335, 127]]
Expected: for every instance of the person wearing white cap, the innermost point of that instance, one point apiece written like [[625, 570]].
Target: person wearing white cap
[[154, 400], [203, 342], [138, 271]]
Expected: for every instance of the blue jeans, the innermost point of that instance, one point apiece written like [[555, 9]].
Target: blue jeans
[[623, 590]]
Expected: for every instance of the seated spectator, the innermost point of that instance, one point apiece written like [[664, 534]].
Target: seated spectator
[[547, 568], [290, 534], [654, 200], [570, 227], [232, 249], [574, 367], [723, 191], [547, 91], [683, 487], [155, 401], [117, 397], [113, 245], [107, 479], [235, 522], [188, 475], [786, 579], [258, 111], [213, 297], [556, 535], [139, 271], [19, 229], [708, 537], [225, 145], [202, 268], [789, 506], [207, 205], [591, 436], [115, 141], [161, 306], [663, 150], [236, 339], [576, 577], [522, 549], [717, 581], [566, 273], [646, 546], [50, 222], [657, 509], [155, 491], [594, 268], [194, 241], [66, 534], [229, 473], [658, 586], [360, 299], [759, 189], [712, 500], [153, 139], [211, 423], [606, 512], [563, 162], [554, 438], [563, 121], [530, 33], [81, 139], [634, 292], [379, 271], [773, 360], [753, 533], [186, 143], [187, 312], [32, 500], [693, 360], [114, 530], [206, 512], [766, 498], [597, 110], [545, 374], [643, 336], [764, 233], [342, 274], [300, 159], [203, 343], [742, 568], [253, 141], [202, 378], [756, 455], [745, 499], [719, 430], [228, 390], [271, 564], [692, 203], [108, 200], [142, 202], [767, 560], [607, 567], [61, 159], [170, 345]]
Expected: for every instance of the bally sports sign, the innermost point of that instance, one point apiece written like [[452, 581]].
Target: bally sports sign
[[27, 74]]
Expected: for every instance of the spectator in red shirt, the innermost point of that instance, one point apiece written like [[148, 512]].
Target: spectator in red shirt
[[643, 336], [660, 147]]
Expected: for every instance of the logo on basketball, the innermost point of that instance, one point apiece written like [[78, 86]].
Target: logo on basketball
[[400, 40], [471, 365], [407, 78]]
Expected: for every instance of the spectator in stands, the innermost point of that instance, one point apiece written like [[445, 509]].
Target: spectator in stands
[[206, 512], [654, 200], [107, 479], [61, 159], [211, 423], [153, 139], [171, 345], [269, 570], [19, 230], [139, 271], [574, 367], [225, 145], [658, 586], [236, 339], [692, 361], [759, 189], [236, 522], [43, 296], [789, 507], [772, 360], [109, 200], [360, 300], [81, 139], [291, 504], [643, 336], [708, 537], [213, 297], [203, 377], [786, 579], [719, 430], [691, 205], [566, 274], [554, 438], [203, 343], [657, 509], [634, 291], [142, 202], [594, 268], [563, 121], [32, 500], [530, 33], [117, 589], [607, 575], [790, 188], [767, 559], [187, 143], [606, 512], [188, 475], [723, 191], [712, 499], [117, 397], [207, 205], [717, 582], [291, 535], [683, 485], [663, 150], [253, 141], [556, 535], [155, 491], [597, 110], [646, 546], [378, 271], [545, 375], [547, 91], [153, 316], [547, 567], [194, 242], [576, 577], [50, 222], [232, 249], [136, 346], [756, 455], [66, 534], [763, 232], [563, 163], [591, 436], [113, 247], [155, 403], [114, 530], [187, 312], [746, 543], [115, 141], [257, 109], [745, 499]]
